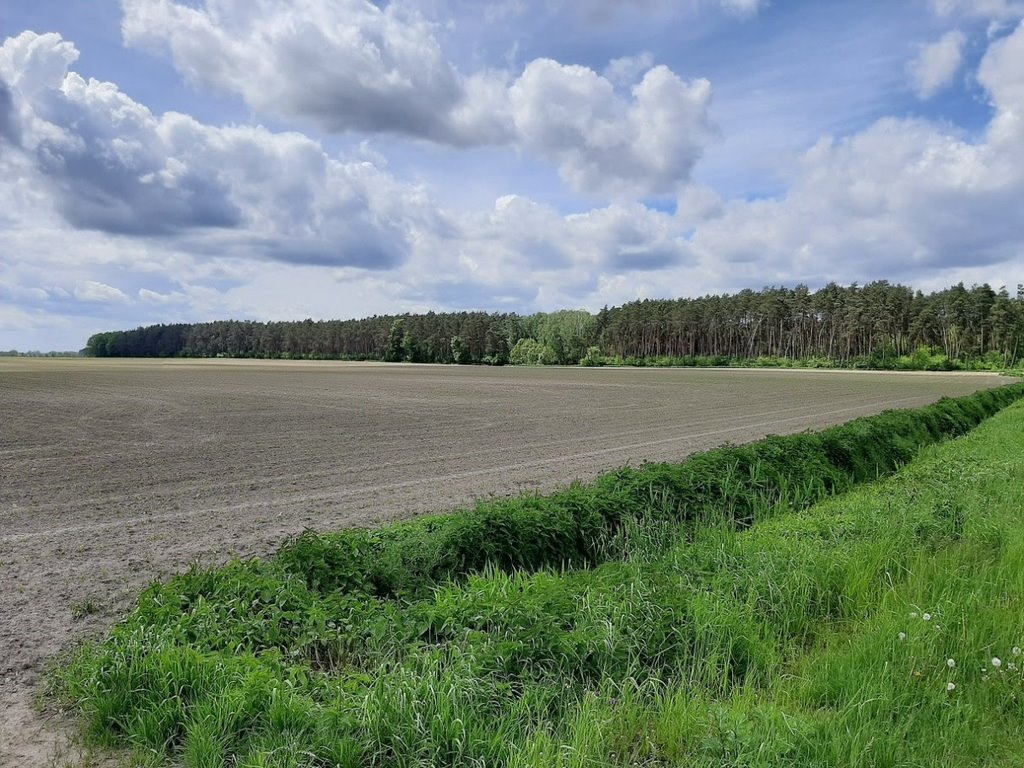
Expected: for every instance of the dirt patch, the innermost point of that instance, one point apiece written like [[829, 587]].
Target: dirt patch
[[117, 473]]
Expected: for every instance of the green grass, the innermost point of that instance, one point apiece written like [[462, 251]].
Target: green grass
[[868, 686], [84, 608], [684, 639]]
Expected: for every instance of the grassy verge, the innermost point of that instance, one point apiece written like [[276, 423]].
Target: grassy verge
[[912, 590], [704, 644]]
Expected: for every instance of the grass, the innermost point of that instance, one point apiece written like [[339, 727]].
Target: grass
[[940, 579], [84, 608], [795, 638]]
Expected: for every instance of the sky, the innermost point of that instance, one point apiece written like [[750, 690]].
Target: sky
[[190, 160]]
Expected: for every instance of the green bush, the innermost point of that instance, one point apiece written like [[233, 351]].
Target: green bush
[[593, 358], [529, 351]]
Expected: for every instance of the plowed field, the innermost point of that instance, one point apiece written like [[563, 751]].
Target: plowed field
[[113, 473]]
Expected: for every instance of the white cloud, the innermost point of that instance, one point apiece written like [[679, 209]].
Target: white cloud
[[33, 63], [936, 64], [354, 66], [1002, 74], [111, 165], [899, 200], [628, 238], [626, 70], [902, 199], [155, 297], [696, 204], [602, 143], [348, 64], [103, 192], [90, 290], [528, 253]]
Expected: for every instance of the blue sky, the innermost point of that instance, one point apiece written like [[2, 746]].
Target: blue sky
[[184, 160]]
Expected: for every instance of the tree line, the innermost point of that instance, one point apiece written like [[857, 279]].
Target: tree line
[[875, 325]]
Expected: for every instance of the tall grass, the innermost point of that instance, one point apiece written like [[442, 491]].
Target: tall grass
[[898, 610], [713, 643]]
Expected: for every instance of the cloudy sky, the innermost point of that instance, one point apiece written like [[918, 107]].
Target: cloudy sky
[[185, 160]]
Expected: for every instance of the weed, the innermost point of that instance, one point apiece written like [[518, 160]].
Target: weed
[[84, 608]]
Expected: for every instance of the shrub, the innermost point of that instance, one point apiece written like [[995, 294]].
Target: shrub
[[531, 352]]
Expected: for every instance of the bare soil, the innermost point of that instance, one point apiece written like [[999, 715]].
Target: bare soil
[[115, 473]]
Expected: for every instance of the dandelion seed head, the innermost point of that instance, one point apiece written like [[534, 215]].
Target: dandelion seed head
[[950, 686], [927, 617], [902, 636], [997, 662], [950, 663], [1016, 650]]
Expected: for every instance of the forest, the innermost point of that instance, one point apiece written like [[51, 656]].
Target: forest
[[877, 325]]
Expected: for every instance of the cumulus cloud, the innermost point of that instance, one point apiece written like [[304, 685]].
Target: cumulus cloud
[[696, 204], [626, 70], [133, 193], [114, 166], [630, 238], [936, 64], [104, 193], [901, 199], [354, 66], [350, 65], [896, 200], [544, 248], [603, 143], [1002, 74]]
